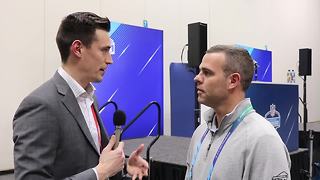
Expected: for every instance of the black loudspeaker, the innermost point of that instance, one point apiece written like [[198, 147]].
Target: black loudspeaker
[[305, 62], [197, 43]]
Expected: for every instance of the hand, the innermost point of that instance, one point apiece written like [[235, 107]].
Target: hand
[[111, 161], [137, 166]]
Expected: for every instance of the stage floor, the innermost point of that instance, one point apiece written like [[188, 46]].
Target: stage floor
[[168, 149], [315, 126]]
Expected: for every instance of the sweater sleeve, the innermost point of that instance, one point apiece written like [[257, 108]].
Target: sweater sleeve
[[268, 159]]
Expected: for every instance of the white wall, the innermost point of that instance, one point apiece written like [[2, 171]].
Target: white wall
[[22, 60], [30, 56], [284, 27]]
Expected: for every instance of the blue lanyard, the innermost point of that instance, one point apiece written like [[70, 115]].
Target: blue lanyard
[[235, 124]]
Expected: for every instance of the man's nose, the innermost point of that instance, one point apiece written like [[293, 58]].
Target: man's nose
[[109, 59], [196, 79]]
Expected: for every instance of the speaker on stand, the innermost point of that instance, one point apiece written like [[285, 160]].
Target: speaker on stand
[[305, 55], [197, 43], [197, 47], [305, 62], [305, 70]]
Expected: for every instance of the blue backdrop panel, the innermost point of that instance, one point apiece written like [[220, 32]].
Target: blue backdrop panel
[[279, 104], [182, 92], [264, 61], [134, 79]]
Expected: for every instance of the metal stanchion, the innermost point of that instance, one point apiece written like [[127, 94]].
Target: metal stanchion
[[150, 164], [310, 154]]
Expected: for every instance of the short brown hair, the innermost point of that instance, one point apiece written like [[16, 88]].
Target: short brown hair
[[238, 60], [79, 26]]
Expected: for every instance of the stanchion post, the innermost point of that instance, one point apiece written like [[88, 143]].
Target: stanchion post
[[310, 154]]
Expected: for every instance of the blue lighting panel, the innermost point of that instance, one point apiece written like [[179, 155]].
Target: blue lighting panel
[[264, 61], [134, 79]]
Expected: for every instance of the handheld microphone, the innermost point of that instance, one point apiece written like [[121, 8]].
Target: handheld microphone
[[119, 119]]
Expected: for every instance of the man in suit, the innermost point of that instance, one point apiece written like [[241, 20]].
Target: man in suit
[[57, 131]]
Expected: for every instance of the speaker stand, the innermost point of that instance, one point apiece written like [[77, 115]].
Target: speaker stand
[[305, 110]]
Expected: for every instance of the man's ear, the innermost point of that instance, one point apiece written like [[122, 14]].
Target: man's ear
[[234, 80], [76, 48]]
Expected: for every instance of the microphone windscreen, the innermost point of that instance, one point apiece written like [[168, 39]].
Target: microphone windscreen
[[119, 118]]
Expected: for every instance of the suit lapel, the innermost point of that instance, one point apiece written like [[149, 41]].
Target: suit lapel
[[70, 102]]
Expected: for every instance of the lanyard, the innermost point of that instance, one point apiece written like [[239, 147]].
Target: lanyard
[[235, 124]]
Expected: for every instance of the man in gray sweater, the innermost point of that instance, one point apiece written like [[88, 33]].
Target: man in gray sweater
[[235, 142]]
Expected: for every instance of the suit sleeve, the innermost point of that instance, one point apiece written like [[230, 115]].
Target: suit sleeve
[[36, 138]]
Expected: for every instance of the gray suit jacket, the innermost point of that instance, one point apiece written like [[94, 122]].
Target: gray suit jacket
[[51, 137]]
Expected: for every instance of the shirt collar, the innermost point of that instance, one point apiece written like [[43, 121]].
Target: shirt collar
[[228, 119], [76, 88]]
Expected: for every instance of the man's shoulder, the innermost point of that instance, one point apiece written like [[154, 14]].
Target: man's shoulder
[[257, 126], [43, 89], [200, 130], [46, 92], [42, 97], [256, 120], [50, 86]]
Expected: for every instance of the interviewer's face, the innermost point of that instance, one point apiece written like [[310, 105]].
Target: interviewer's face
[[211, 81], [97, 57]]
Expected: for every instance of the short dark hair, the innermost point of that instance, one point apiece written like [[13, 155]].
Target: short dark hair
[[79, 26], [238, 60]]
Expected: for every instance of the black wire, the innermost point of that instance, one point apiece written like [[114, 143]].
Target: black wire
[[182, 52], [193, 70], [301, 100], [300, 118], [301, 77]]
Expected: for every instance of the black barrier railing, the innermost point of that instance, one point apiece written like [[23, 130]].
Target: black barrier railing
[[159, 124]]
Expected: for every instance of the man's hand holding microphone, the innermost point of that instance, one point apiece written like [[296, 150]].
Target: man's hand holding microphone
[[112, 158]]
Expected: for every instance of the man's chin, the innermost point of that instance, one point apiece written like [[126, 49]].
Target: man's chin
[[200, 100], [98, 80]]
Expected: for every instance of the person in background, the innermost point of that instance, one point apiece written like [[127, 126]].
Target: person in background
[[235, 142], [57, 131]]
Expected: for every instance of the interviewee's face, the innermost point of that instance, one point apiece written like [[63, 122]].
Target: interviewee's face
[[211, 81], [97, 57]]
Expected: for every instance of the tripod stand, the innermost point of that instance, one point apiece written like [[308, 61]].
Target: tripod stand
[[305, 121]]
